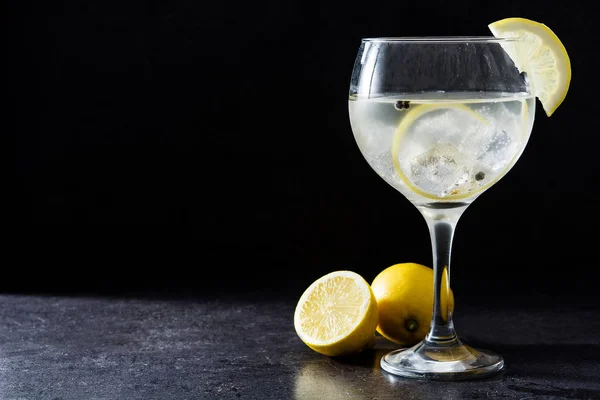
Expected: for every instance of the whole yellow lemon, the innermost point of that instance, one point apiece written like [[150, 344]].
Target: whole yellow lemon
[[404, 294]]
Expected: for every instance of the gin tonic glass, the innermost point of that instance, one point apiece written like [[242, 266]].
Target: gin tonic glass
[[440, 119]]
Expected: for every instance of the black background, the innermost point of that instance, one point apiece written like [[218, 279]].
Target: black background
[[196, 147]]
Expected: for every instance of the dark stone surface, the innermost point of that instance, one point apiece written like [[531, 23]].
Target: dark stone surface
[[80, 348]]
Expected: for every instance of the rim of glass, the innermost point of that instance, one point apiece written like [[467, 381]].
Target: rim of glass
[[439, 39]]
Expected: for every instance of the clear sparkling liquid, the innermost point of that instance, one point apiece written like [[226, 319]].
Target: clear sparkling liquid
[[461, 145]]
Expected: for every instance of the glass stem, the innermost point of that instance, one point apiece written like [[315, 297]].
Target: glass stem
[[442, 223]]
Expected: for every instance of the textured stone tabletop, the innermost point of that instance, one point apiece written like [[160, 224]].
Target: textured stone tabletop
[[80, 348]]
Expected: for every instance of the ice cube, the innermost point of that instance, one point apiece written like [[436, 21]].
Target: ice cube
[[498, 143], [442, 170]]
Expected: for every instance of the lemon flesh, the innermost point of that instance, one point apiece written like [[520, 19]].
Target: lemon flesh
[[337, 314], [539, 53], [404, 294]]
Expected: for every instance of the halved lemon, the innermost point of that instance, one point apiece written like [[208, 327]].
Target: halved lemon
[[539, 53], [337, 314]]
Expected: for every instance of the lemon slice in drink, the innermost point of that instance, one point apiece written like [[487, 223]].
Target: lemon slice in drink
[[337, 314], [405, 132], [540, 54]]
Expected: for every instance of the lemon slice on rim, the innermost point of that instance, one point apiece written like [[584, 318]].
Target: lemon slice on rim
[[337, 314], [539, 53]]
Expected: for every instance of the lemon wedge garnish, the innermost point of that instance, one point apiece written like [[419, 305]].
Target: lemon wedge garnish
[[539, 53], [337, 314]]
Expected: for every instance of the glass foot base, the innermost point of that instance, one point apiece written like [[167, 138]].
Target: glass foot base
[[452, 361]]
